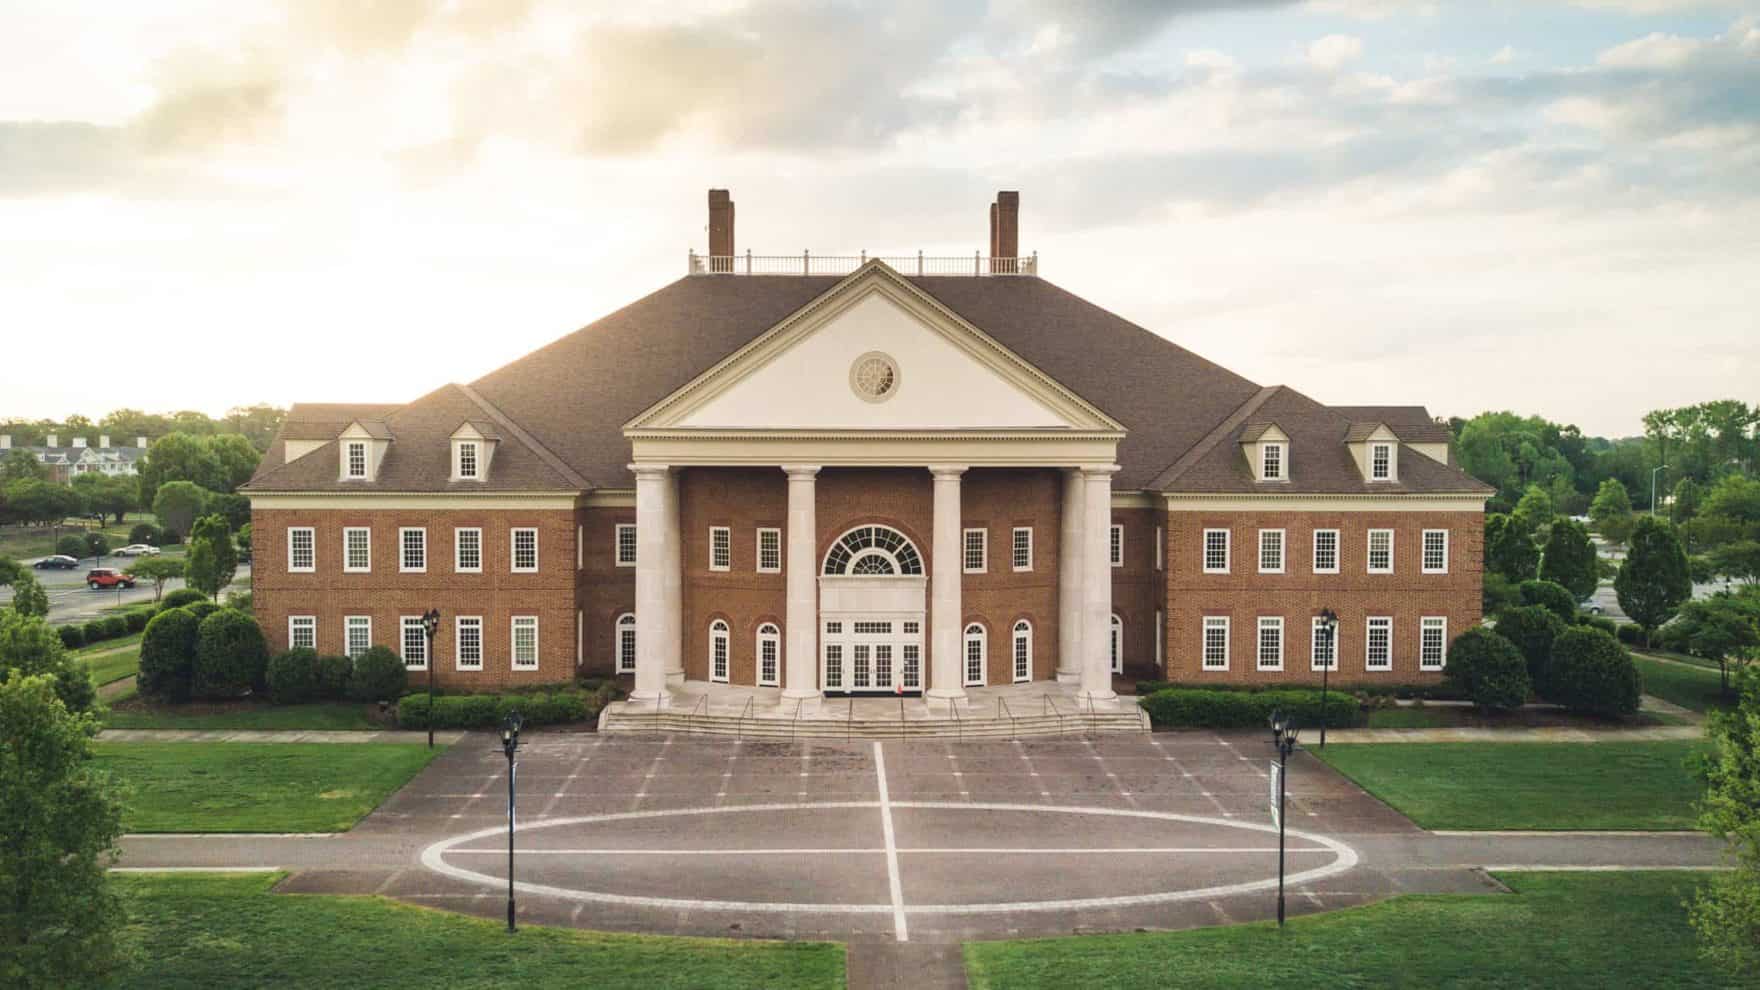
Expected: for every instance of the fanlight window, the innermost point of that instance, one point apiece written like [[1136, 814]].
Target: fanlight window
[[873, 550]]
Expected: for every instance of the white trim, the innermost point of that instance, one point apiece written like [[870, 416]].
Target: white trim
[[1315, 628], [1369, 625], [617, 545], [513, 549], [513, 643], [1314, 547], [403, 549], [725, 533], [312, 534], [1424, 552], [1369, 552], [1214, 622], [1265, 449], [457, 560], [1115, 544], [310, 621], [764, 531], [458, 626], [1259, 661], [618, 627], [720, 635], [1282, 551], [1014, 651], [774, 639], [1314, 502], [1392, 460], [416, 500], [1425, 624], [349, 623], [347, 568], [348, 451], [458, 447], [1227, 551], [983, 550], [966, 639], [404, 624], [1014, 536]]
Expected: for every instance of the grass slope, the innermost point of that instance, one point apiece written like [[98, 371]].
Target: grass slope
[[129, 712], [1559, 930], [1697, 688], [1611, 785], [114, 666], [228, 931], [256, 787]]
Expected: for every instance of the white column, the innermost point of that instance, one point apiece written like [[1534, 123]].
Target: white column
[[1097, 581], [652, 622], [672, 585], [946, 682], [1069, 582], [802, 620]]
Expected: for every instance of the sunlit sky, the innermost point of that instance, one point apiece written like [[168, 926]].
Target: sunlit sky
[[1546, 206]]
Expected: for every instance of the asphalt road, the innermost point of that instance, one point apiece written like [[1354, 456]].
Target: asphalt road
[[71, 601]]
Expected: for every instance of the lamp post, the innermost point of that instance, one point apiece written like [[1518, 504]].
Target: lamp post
[[430, 625], [1653, 472], [510, 746], [1328, 628], [1283, 736]]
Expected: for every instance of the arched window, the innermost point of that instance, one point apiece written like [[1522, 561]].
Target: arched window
[[1023, 651], [1117, 645], [769, 655], [873, 551], [718, 651], [975, 655], [625, 644]]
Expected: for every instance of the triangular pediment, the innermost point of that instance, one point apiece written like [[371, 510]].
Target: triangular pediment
[[874, 352]]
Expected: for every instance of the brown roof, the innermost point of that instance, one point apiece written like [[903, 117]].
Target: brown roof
[[1361, 431], [1413, 424], [1256, 429]]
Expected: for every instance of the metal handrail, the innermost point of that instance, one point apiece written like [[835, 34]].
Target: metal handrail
[[703, 703], [795, 730], [959, 724], [1054, 710], [1002, 712], [808, 263], [739, 727], [901, 732], [849, 720]]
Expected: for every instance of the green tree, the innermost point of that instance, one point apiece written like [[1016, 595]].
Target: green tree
[[1726, 914], [1569, 559], [178, 503], [34, 500], [244, 540], [20, 465], [1724, 629], [60, 821], [235, 458], [179, 457], [1739, 560], [257, 423], [1612, 511], [108, 495], [29, 647], [1653, 580], [1509, 550], [28, 596], [236, 508], [1514, 452], [212, 559], [1534, 512], [1688, 494], [157, 570]]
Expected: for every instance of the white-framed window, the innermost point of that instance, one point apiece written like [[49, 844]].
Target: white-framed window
[[976, 650], [412, 555], [1215, 642], [625, 645], [467, 550], [302, 632], [769, 550], [357, 459], [1378, 644], [769, 655], [1270, 642], [1271, 461], [720, 548], [1322, 646], [525, 550], [975, 558], [1023, 651], [1115, 545], [1271, 551], [1381, 462], [525, 642], [357, 635], [467, 459], [302, 550], [1115, 643], [1435, 551], [1022, 548], [357, 549], [626, 545], [718, 652], [414, 639], [1216, 551], [1432, 642], [1381, 551], [468, 642], [1326, 551]]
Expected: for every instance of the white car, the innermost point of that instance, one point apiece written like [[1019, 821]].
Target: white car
[[135, 550]]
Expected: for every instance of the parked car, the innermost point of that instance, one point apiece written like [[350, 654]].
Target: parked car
[[59, 562], [135, 550], [105, 577]]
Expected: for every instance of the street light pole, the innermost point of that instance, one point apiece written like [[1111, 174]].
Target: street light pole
[[1283, 736], [1653, 473], [1328, 625], [510, 746], [430, 625]]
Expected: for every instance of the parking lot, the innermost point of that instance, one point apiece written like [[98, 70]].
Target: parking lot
[[71, 601]]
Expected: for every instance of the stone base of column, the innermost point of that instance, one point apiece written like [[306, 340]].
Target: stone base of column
[[674, 679], [650, 700], [944, 697], [1104, 695], [1069, 677], [807, 703]]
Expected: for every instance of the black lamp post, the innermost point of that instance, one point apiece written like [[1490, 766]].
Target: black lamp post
[[1283, 736], [1329, 629], [430, 626], [510, 746]]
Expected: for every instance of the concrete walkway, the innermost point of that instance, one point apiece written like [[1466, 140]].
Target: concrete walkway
[[1478, 734], [446, 737]]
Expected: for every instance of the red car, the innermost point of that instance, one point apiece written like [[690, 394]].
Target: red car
[[104, 577]]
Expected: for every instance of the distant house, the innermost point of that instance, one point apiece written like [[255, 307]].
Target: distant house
[[66, 463]]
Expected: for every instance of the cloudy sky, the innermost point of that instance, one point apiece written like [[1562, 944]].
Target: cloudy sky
[[1546, 206]]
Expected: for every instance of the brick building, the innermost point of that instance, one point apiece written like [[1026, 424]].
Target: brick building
[[830, 475]]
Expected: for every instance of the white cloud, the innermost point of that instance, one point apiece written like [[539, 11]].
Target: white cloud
[[1334, 50], [1371, 10], [1503, 56]]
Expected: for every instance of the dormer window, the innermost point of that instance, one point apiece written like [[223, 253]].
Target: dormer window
[[473, 451], [1381, 462], [467, 459], [1271, 461], [357, 459]]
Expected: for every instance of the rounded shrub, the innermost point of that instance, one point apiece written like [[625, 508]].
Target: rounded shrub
[[1554, 597], [378, 676], [144, 533], [334, 673], [169, 537], [72, 637], [1631, 634], [1600, 622], [1592, 673], [293, 676], [182, 597], [1532, 629], [168, 655], [230, 655], [1489, 669], [71, 545], [136, 619], [202, 609], [93, 631]]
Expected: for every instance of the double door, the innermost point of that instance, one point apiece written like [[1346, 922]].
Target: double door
[[871, 656]]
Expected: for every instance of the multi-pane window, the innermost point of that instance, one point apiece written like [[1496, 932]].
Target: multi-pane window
[[1271, 462], [1380, 462], [1378, 653], [1216, 551], [413, 557], [913, 666], [1023, 548], [302, 548], [769, 651], [525, 642], [974, 655], [415, 643], [1436, 551], [467, 460], [1381, 551], [1326, 551], [525, 550], [1270, 642], [718, 651], [834, 666], [1432, 642], [626, 545], [467, 550], [357, 549], [357, 633], [1023, 651], [1271, 551], [1115, 546], [469, 637], [1215, 642], [1323, 648], [357, 459], [302, 632], [977, 551], [626, 643], [720, 548], [769, 551]]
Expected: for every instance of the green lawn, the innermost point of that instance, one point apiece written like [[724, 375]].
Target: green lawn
[[256, 787], [1611, 785], [1697, 688], [132, 639], [1559, 930], [319, 715], [229, 931], [1407, 718], [114, 667]]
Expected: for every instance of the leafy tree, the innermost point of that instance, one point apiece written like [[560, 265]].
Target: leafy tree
[[1590, 672], [236, 508], [1532, 628], [9, 571], [257, 423], [108, 495], [1688, 494], [1612, 511], [1724, 629], [1534, 512], [212, 559], [71, 545], [179, 457], [231, 655], [60, 820], [1569, 559], [157, 570], [34, 500], [1653, 581], [1740, 560], [20, 464], [1489, 669], [97, 544], [1552, 596], [235, 458], [29, 647], [168, 655], [1514, 452], [244, 539], [28, 596], [178, 503], [1726, 913], [1509, 550]]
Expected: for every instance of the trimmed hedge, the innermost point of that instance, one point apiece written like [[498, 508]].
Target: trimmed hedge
[[1489, 668], [136, 619], [1532, 628], [1552, 596], [144, 533], [109, 627], [181, 597], [379, 675], [230, 655], [334, 673], [1592, 673], [168, 655], [1630, 634], [293, 676], [1600, 622], [72, 637], [1211, 709], [482, 711]]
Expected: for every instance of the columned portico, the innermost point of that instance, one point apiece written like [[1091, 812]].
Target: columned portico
[[802, 653], [946, 617], [658, 584], [1097, 582], [1070, 565]]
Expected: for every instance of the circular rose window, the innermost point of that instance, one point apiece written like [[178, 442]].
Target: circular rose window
[[874, 377]]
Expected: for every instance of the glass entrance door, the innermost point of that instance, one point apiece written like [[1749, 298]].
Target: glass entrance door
[[872, 656]]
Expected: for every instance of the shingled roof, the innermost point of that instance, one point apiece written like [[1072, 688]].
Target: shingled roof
[[1412, 424]]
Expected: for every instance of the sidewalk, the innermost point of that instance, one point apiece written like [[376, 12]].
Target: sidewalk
[[1533, 735], [443, 736]]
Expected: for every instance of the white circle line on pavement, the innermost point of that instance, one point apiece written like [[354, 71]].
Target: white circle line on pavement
[[434, 858]]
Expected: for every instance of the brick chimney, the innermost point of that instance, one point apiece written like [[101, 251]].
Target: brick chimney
[[720, 229], [5, 441], [49, 441], [140, 442], [103, 441], [79, 443], [1005, 232]]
